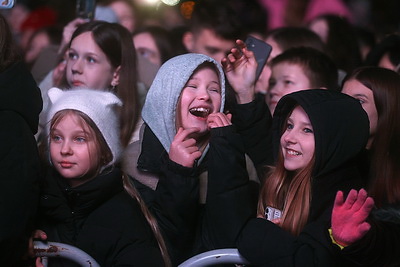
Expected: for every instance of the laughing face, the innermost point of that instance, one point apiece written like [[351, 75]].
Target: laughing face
[[297, 141], [200, 97]]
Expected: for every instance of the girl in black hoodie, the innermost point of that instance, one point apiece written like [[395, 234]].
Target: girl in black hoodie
[[316, 136]]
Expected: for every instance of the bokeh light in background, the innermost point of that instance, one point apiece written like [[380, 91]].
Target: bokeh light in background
[[187, 9], [154, 2], [170, 2], [147, 2]]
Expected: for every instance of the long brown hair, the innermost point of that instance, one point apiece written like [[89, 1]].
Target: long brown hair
[[384, 178], [130, 188], [289, 192], [9, 53]]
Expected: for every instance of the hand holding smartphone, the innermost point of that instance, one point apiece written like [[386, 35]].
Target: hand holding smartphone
[[261, 52]]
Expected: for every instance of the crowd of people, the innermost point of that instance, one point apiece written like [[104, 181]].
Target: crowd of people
[[143, 137]]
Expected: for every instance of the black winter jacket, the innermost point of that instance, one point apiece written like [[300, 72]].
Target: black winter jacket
[[100, 218], [20, 105], [189, 226]]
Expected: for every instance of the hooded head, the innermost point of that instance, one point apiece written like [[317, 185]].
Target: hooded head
[[339, 123], [99, 106], [159, 110]]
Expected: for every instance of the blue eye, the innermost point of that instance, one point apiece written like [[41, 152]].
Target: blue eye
[[308, 130], [362, 101], [80, 139], [91, 60], [55, 138], [289, 126]]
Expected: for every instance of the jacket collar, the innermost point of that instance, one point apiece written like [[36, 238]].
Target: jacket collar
[[154, 155], [81, 200]]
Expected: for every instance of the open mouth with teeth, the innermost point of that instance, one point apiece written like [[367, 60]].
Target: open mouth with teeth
[[200, 112], [293, 153]]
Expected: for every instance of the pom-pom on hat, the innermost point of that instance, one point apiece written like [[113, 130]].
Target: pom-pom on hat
[[99, 106]]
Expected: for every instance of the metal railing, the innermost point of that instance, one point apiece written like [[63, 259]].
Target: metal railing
[[54, 249], [213, 257]]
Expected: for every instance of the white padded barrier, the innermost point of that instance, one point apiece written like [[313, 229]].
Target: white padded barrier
[[217, 256], [61, 250]]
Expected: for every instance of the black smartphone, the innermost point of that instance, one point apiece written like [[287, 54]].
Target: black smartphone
[[6, 4], [85, 9], [261, 52]]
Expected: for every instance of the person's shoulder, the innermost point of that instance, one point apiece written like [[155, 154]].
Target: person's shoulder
[[10, 116], [121, 214], [11, 123], [119, 209]]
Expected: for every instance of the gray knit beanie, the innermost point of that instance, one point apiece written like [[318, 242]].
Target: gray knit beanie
[[99, 106]]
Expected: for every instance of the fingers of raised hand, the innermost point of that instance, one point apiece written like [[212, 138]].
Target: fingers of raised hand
[[351, 199], [358, 205], [184, 156], [184, 150], [39, 234], [367, 207], [339, 199], [183, 134], [219, 119]]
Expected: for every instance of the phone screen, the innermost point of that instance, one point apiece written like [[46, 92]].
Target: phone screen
[[85, 9]]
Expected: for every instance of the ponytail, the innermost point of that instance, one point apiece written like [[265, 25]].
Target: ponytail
[[131, 190]]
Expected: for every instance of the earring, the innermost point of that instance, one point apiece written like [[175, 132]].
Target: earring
[[113, 86]]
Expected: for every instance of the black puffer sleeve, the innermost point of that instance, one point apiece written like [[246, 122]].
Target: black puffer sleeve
[[253, 122], [231, 197]]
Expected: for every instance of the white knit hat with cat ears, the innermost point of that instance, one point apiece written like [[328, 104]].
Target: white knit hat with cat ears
[[98, 105]]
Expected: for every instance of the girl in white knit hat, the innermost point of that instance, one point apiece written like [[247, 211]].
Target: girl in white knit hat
[[83, 201]]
